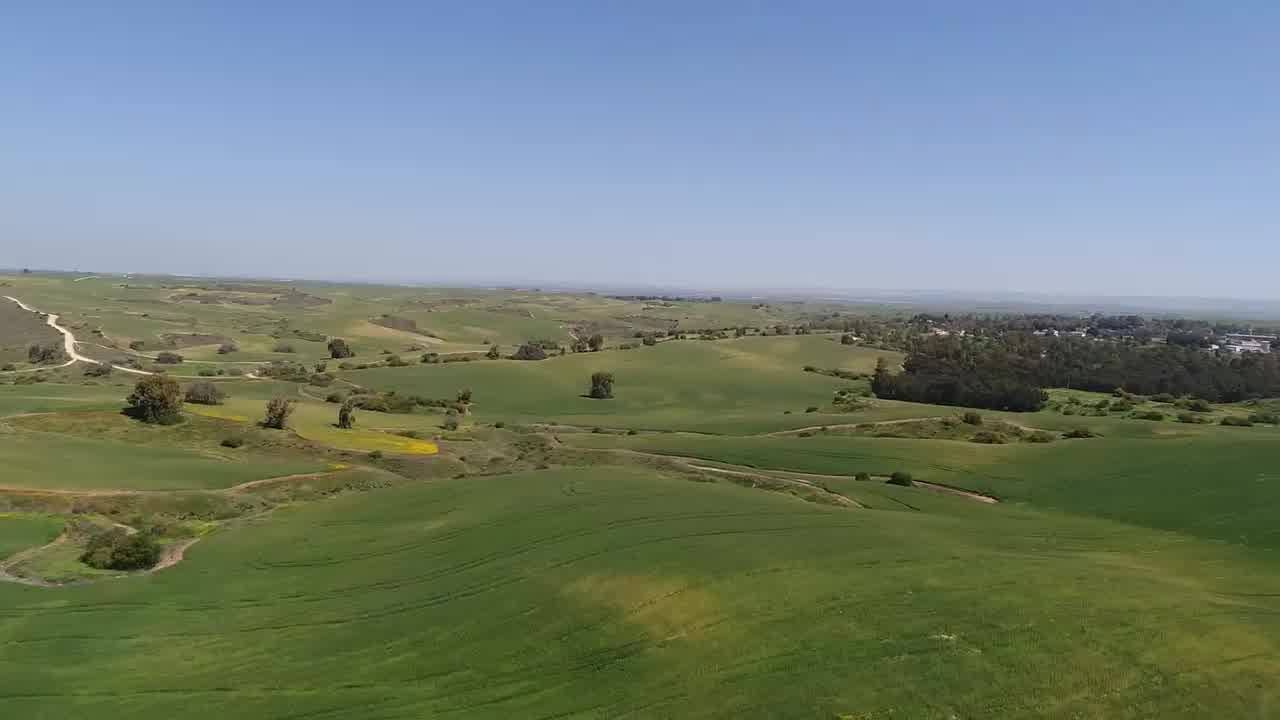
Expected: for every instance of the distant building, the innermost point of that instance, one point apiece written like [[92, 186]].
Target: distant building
[[1240, 343]]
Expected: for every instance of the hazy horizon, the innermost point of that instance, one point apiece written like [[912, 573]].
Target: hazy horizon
[[1082, 151]]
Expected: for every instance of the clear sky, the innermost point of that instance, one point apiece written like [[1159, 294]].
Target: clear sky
[[1086, 147]]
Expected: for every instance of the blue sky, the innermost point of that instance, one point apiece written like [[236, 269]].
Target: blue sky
[[1089, 147]]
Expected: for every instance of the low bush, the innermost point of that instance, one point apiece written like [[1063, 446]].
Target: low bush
[[1265, 418], [986, 437], [232, 442], [811, 409], [862, 477], [1189, 418], [1236, 421], [168, 358], [1040, 436], [335, 397], [228, 348], [973, 418], [1149, 415], [1198, 405], [1121, 405], [283, 348], [1163, 398], [1079, 433], [500, 424]]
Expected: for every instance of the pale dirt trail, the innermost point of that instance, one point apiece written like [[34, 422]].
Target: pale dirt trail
[[70, 343]]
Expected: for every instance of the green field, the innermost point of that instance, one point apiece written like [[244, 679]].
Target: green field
[[698, 546], [612, 594]]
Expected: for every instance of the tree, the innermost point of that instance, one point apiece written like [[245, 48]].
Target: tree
[[40, 353], [494, 352], [156, 399], [846, 339], [464, 395], [596, 342], [649, 340], [338, 349], [901, 478], [116, 549], [168, 358], [451, 421], [347, 415], [98, 369], [530, 351], [205, 393], [601, 385], [278, 411]]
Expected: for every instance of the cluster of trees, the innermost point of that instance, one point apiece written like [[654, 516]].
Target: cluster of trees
[[601, 386], [1009, 372], [116, 549]]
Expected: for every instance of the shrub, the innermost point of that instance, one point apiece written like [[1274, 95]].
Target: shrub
[[1265, 418], [1121, 405], [810, 368], [227, 348], [338, 349], [971, 418], [168, 358], [235, 372], [1079, 433], [494, 352], [137, 345], [1040, 436], [232, 442], [156, 399], [1198, 405], [804, 434], [100, 369], [986, 437], [902, 479], [811, 409], [1149, 415], [8, 367], [116, 549], [649, 340], [451, 421], [862, 477], [601, 385], [1236, 421], [500, 424], [277, 413], [1069, 410], [205, 393], [335, 397], [464, 395], [596, 342], [396, 361], [633, 431], [1102, 404], [375, 455], [1163, 398]]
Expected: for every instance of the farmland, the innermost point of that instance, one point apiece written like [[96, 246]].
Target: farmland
[[718, 539]]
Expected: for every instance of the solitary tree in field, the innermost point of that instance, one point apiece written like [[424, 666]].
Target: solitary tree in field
[[338, 349], [347, 415], [596, 342], [278, 411], [601, 385], [156, 399]]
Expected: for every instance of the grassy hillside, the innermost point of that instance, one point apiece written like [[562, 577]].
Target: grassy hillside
[[1213, 482], [579, 593], [741, 385]]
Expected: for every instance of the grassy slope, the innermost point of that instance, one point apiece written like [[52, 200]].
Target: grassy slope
[[1220, 483], [19, 329], [613, 593], [727, 386], [19, 531]]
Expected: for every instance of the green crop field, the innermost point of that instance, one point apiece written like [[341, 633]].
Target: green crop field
[[700, 545], [622, 593]]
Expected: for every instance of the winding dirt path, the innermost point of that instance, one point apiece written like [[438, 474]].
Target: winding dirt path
[[69, 345]]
